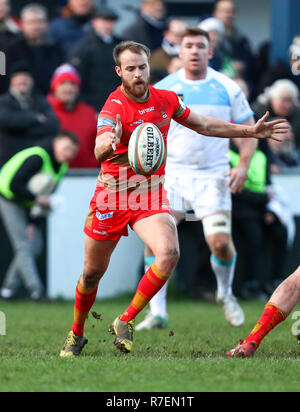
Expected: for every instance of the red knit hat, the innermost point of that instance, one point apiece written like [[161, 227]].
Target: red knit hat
[[63, 73]]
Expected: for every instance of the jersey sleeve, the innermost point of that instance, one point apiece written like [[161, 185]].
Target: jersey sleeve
[[240, 108], [181, 111], [107, 116]]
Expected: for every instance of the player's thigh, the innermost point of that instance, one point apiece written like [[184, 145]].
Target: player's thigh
[[178, 216], [97, 255], [159, 233]]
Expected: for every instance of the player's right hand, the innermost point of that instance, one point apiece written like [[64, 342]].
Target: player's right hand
[[116, 133]]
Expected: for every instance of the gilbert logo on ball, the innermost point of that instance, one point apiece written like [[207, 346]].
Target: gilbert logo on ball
[[146, 149]]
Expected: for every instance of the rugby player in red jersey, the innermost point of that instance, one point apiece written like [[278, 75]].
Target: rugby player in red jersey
[[133, 103]]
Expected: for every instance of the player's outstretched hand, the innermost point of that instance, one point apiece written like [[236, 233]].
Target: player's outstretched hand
[[116, 133], [270, 130]]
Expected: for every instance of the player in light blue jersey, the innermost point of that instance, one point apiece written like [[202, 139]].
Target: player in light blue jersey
[[198, 175]]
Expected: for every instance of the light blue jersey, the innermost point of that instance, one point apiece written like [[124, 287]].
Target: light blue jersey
[[216, 96]]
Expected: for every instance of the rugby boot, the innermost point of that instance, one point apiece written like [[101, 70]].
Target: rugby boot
[[243, 350], [73, 346], [233, 312], [124, 334]]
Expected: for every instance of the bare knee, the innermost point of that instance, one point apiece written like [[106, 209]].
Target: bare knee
[[222, 247], [91, 275], [167, 260]]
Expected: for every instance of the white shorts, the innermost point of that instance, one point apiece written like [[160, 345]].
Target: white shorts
[[205, 195]]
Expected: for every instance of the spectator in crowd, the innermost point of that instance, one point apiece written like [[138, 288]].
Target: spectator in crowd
[[294, 51], [33, 49], [284, 154], [235, 44], [9, 30], [216, 31], [150, 24], [157, 74], [281, 100], [18, 196], [170, 46], [268, 74], [26, 119], [70, 27], [93, 58], [259, 213], [74, 115]]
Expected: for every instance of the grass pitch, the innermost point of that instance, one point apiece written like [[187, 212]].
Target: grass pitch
[[189, 357]]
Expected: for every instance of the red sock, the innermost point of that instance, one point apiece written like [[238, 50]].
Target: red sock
[[150, 284], [85, 298], [271, 317]]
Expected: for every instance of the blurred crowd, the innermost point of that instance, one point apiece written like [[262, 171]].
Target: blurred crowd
[[59, 73]]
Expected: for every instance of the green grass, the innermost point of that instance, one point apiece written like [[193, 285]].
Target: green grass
[[192, 360]]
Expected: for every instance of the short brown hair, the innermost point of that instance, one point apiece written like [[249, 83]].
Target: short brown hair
[[133, 46], [195, 31], [67, 134]]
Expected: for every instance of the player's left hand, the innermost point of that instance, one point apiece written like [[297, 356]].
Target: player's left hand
[[270, 130], [116, 133], [237, 178]]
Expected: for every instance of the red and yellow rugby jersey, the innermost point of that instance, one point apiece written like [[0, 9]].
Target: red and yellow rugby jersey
[[161, 107]]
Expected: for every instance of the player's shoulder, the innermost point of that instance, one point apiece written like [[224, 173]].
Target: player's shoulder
[[168, 82], [162, 95], [116, 100], [230, 85]]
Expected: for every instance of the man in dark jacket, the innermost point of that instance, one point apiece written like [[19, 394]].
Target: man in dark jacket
[[70, 27], [26, 119], [150, 25], [9, 31], [20, 192], [93, 58], [33, 49]]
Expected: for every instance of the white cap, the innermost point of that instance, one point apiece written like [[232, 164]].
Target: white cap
[[212, 24]]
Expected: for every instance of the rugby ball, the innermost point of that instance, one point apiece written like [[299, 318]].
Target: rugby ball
[[41, 184], [146, 149]]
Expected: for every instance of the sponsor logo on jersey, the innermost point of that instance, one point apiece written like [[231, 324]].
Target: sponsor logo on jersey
[[164, 114], [140, 121], [104, 216], [148, 110], [103, 233]]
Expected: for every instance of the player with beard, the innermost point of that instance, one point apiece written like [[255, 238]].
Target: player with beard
[[113, 206]]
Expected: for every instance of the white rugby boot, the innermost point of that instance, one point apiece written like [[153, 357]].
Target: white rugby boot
[[233, 312], [152, 322]]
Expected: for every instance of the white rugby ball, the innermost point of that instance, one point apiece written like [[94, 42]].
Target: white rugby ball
[[146, 149], [41, 184]]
